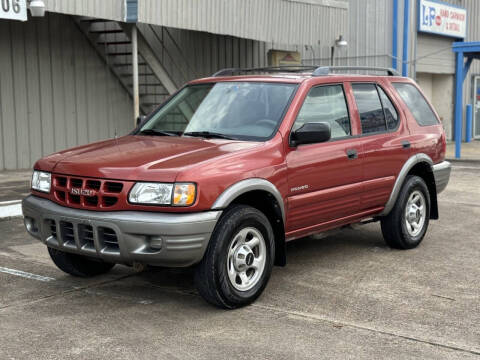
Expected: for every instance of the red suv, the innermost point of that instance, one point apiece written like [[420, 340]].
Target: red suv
[[230, 168]]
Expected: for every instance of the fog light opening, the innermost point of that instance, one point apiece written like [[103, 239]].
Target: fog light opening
[[31, 225], [156, 242]]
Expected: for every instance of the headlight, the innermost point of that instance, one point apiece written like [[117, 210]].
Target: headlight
[[151, 193], [41, 181], [182, 194]]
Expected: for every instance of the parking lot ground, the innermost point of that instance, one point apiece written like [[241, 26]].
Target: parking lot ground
[[344, 296]]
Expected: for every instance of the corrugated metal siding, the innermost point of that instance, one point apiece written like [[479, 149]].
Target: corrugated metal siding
[[473, 34], [280, 21], [188, 55], [55, 91], [104, 9], [368, 32]]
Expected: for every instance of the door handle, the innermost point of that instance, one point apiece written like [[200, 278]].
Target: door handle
[[406, 144], [352, 154]]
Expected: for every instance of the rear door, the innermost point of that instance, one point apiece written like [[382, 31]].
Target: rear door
[[385, 141], [324, 178]]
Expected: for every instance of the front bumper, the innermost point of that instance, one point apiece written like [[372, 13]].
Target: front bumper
[[441, 173], [160, 239]]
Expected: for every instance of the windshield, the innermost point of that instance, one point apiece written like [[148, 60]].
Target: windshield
[[231, 110]]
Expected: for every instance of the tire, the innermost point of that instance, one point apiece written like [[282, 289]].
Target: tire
[[226, 277], [398, 228], [77, 265]]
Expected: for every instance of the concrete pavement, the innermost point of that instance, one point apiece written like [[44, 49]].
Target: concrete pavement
[[343, 296], [469, 151]]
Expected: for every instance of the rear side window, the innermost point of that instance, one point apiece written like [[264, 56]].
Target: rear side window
[[370, 108], [416, 103], [326, 103]]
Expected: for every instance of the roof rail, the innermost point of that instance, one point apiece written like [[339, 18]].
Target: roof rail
[[284, 68], [316, 70], [325, 70]]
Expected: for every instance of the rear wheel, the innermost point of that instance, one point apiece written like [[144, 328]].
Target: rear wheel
[[78, 265], [405, 226], [239, 259]]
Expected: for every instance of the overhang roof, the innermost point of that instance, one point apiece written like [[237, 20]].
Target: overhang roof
[[298, 22]]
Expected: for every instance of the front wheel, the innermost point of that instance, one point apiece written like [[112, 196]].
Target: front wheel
[[239, 259], [405, 226]]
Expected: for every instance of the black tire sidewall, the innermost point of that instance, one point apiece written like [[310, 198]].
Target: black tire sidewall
[[413, 183], [231, 224]]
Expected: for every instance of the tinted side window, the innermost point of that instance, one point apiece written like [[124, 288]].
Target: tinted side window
[[390, 112], [326, 104], [416, 103], [369, 108]]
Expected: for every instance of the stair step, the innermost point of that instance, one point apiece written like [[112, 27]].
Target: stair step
[[122, 65], [153, 94], [141, 74], [95, 20], [119, 53], [145, 85], [106, 31], [114, 42], [152, 104]]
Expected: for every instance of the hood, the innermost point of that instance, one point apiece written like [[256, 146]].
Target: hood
[[147, 158]]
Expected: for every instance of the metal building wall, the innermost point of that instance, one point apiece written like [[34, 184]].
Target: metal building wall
[[473, 34], [55, 91], [282, 21], [103, 9], [368, 33], [429, 53], [188, 55]]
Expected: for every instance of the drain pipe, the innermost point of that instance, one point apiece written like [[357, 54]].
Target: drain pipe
[[136, 93]]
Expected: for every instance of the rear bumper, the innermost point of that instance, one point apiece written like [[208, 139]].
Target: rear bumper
[[161, 239], [441, 172]]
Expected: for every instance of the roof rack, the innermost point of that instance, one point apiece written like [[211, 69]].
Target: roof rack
[[316, 70], [325, 70], [284, 68]]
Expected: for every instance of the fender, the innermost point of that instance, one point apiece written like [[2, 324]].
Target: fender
[[245, 186], [409, 164]]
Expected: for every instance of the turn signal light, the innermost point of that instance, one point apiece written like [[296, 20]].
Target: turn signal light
[[184, 194]]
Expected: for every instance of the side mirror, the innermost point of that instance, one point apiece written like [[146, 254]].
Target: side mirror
[[140, 120], [310, 133]]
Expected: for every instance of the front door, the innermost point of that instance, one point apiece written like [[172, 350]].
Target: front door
[[476, 107], [325, 178]]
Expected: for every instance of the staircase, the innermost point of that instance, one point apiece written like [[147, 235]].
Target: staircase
[[112, 42]]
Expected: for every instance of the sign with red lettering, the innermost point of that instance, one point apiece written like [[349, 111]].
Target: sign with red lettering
[[440, 18]]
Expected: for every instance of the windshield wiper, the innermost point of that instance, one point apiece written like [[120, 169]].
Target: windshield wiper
[[157, 132], [209, 134]]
